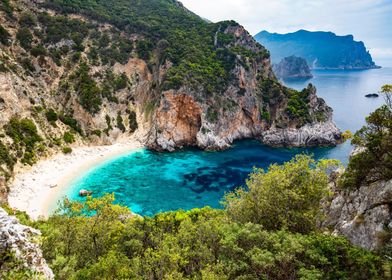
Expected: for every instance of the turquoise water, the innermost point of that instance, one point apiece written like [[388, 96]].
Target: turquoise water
[[150, 182]]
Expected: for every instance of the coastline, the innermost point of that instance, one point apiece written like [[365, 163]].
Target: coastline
[[35, 188]]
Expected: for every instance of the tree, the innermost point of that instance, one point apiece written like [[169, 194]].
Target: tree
[[288, 196], [386, 90]]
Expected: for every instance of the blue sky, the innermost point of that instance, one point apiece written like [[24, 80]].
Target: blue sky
[[368, 20]]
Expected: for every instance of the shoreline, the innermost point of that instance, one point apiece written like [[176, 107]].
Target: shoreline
[[34, 189]]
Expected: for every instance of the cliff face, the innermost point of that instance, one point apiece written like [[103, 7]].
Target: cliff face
[[21, 241], [292, 67], [363, 215], [71, 75], [323, 50]]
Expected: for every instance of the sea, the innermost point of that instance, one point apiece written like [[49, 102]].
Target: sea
[[149, 182]]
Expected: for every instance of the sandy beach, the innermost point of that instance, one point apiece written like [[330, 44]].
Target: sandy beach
[[34, 189]]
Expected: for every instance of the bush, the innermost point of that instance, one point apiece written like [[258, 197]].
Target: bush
[[375, 162], [71, 122], [24, 133], [51, 116], [68, 138], [67, 150], [4, 36], [120, 123], [88, 240], [25, 38], [286, 197], [133, 126]]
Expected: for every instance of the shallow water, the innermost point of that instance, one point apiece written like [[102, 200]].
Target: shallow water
[[150, 182]]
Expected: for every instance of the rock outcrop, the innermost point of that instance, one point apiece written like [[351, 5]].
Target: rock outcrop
[[292, 67], [363, 215], [21, 241]]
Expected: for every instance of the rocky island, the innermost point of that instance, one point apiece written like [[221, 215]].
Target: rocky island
[[292, 67], [322, 50]]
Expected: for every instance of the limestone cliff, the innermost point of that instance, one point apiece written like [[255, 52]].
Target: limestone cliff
[[21, 241], [363, 215]]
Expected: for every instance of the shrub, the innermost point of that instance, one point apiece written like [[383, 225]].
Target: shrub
[[68, 138], [24, 133], [67, 150], [25, 38], [286, 197], [133, 126], [71, 122], [4, 36], [120, 122], [51, 116]]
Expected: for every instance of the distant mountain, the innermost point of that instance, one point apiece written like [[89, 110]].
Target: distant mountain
[[320, 49], [292, 67]]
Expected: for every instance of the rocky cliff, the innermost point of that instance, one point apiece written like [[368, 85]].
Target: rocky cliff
[[363, 215], [21, 241], [74, 73], [292, 67], [323, 50]]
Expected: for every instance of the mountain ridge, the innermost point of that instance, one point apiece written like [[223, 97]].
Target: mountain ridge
[[321, 49]]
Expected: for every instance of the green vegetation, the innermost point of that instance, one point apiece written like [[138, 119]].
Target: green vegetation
[[11, 268], [71, 122], [170, 33], [67, 150], [4, 36], [68, 137], [87, 89], [97, 239], [286, 197], [25, 138], [51, 116], [6, 7], [133, 126], [25, 38], [120, 122], [374, 163]]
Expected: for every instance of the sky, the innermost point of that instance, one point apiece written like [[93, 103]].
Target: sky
[[369, 21]]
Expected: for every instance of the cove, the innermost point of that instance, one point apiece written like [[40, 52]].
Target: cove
[[150, 182]]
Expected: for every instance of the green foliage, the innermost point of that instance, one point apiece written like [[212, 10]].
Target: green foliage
[[346, 135], [38, 51], [11, 268], [6, 6], [68, 137], [5, 156], [25, 135], [51, 116], [4, 36], [120, 122], [375, 161], [99, 240], [27, 20], [71, 122], [212, 115], [87, 89], [25, 38], [133, 126], [67, 150], [168, 32], [286, 197]]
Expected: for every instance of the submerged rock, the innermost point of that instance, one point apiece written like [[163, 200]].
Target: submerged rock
[[20, 239]]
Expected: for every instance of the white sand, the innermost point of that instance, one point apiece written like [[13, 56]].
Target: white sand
[[36, 188]]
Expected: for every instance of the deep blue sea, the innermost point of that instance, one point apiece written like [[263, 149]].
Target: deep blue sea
[[150, 182]]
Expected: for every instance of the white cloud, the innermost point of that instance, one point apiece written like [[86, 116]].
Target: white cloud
[[368, 20]]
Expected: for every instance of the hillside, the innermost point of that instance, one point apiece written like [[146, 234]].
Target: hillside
[[77, 73], [323, 50]]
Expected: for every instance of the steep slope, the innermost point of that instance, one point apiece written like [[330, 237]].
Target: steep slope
[[320, 49], [92, 72]]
